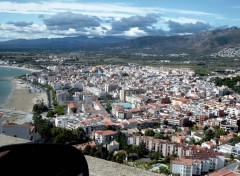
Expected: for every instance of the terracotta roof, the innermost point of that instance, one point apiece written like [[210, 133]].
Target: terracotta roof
[[108, 123], [131, 120], [106, 132], [224, 172], [134, 110], [184, 161], [72, 105], [181, 99]]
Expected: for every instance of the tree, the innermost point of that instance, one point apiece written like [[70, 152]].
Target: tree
[[42, 107], [122, 140], [149, 132], [39, 108], [119, 157], [159, 136], [74, 110], [208, 135], [192, 141], [205, 128], [167, 159], [219, 132], [101, 152], [60, 110], [231, 157], [165, 122], [87, 150], [164, 170], [50, 113], [35, 108], [124, 74], [93, 151], [44, 127], [109, 127], [142, 149], [108, 106], [154, 155], [80, 135]]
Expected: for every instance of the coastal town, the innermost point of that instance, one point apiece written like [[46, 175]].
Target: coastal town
[[185, 123]]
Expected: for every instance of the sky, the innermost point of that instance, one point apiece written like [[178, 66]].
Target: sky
[[32, 19]]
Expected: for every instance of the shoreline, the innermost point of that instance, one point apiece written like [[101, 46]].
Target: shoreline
[[24, 96], [22, 68]]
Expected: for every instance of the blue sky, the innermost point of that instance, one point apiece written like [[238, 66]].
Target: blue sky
[[31, 19]]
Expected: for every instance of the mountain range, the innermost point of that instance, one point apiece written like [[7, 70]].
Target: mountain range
[[205, 42]]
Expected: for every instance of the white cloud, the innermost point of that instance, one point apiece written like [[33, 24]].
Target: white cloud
[[97, 9], [34, 31], [135, 32], [107, 14], [182, 20]]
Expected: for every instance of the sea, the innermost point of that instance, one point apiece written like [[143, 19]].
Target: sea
[[7, 74]]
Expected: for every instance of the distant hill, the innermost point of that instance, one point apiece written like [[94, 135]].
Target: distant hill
[[205, 42], [202, 43], [80, 42]]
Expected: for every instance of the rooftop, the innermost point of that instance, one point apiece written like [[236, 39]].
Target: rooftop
[[8, 140], [125, 105]]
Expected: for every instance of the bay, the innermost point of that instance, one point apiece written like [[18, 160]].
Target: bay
[[7, 74]]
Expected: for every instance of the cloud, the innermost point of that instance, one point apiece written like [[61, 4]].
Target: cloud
[[178, 28], [142, 23], [66, 20], [20, 23], [97, 9], [134, 32], [182, 20], [34, 31], [55, 7]]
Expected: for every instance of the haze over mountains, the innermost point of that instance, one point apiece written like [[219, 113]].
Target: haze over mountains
[[205, 42]]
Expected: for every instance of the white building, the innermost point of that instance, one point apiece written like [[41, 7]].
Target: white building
[[24, 131], [186, 167], [225, 148], [95, 91], [104, 137], [113, 146]]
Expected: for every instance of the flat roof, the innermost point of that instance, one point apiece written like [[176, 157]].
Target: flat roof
[[125, 105], [8, 140]]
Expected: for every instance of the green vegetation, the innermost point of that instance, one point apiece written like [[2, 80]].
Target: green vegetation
[[236, 139], [101, 152], [138, 151], [230, 82], [51, 134], [201, 72], [39, 108], [155, 155], [216, 132], [149, 132], [124, 74], [73, 90], [59, 110], [164, 170]]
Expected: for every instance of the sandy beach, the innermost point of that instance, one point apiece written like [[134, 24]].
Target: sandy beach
[[24, 97]]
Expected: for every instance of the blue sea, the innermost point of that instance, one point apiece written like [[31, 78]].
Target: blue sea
[[6, 85]]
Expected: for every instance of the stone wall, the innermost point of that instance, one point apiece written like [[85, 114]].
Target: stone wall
[[99, 167]]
